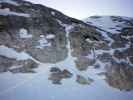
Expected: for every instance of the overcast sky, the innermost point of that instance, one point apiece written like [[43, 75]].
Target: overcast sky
[[81, 9]]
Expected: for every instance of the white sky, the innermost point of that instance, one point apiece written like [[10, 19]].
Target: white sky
[[81, 9]]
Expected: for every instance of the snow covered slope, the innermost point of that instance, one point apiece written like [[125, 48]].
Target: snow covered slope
[[113, 24]]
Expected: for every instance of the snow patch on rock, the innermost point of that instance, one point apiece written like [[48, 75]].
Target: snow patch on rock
[[53, 13], [67, 27], [50, 36], [8, 12], [9, 2], [43, 42], [13, 54], [24, 33], [106, 37]]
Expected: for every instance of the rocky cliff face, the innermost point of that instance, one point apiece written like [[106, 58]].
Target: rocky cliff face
[[32, 34], [36, 30]]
